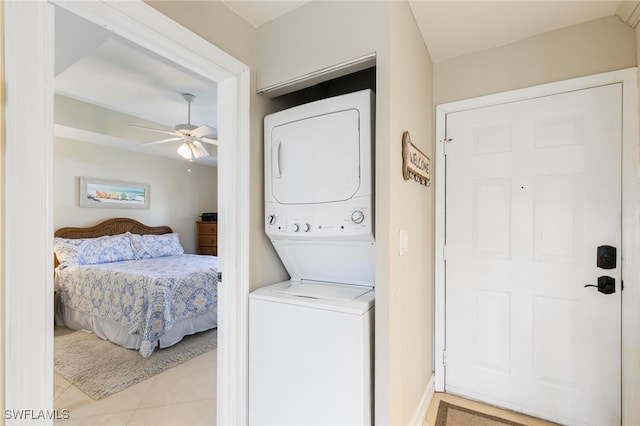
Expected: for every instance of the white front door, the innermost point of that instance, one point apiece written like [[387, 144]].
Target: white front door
[[533, 188]]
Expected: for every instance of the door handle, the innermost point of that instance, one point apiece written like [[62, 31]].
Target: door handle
[[606, 257], [606, 285], [278, 159]]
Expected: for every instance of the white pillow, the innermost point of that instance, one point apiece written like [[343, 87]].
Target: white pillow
[[91, 251], [148, 246]]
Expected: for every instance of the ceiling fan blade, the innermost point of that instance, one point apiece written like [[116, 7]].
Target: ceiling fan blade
[[199, 150], [208, 140], [154, 130], [205, 132], [164, 140]]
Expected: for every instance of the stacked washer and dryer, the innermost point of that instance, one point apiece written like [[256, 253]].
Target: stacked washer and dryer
[[311, 338]]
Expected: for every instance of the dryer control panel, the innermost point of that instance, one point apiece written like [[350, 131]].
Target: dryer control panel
[[352, 221]]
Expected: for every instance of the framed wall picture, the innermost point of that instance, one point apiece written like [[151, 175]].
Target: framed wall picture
[[113, 194]]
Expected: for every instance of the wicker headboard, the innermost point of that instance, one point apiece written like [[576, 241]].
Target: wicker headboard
[[118, 225]]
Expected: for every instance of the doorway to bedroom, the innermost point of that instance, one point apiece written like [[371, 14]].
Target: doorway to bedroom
[[29, 381], [122, 133]]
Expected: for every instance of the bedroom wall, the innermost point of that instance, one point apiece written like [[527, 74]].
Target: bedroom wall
[[219, 25], [180, 191], [601, 45]]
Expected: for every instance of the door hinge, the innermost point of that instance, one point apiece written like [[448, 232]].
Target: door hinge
[[444, 358], [219, 277], [444, 252], [445, 141]]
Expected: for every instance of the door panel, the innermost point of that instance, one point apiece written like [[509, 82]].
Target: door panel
[[532, 189]]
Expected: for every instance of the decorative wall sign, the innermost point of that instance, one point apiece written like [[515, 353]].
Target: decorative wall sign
[[114, 194], [415, 164]]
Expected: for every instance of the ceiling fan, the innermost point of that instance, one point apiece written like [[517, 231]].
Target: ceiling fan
[[193, 136]]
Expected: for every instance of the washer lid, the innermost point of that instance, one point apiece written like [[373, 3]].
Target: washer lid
[[323, 291], [345, 299]]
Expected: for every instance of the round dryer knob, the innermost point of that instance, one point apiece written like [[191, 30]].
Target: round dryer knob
[[357, 217], [306, 227], [271, 219], [296, 227]]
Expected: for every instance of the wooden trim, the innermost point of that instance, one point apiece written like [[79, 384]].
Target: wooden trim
[[115, 226], [233, 251], [27, 206], [420, 413]]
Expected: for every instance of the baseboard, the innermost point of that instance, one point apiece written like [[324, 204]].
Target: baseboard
[[425, 401]]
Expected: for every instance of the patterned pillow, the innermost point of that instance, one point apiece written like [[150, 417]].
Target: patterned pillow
[[148, 246], [91, 251]]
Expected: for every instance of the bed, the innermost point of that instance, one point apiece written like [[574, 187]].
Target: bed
[[132, 284]]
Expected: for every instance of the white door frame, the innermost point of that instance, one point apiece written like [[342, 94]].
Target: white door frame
[[28, 201], [630, 223]]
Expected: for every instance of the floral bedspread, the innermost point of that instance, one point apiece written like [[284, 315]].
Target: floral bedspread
[[146, 296]]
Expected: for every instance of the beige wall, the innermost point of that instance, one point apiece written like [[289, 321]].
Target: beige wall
[[217, 24], [180, 191], [411, 285], [605, 44], [316, 36]]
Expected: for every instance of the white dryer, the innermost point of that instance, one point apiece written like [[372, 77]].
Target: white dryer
[[311, 338], [319, 188]]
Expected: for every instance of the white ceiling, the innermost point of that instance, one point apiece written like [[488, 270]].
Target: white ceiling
[[93, 65], [453, 28], [258, 12]]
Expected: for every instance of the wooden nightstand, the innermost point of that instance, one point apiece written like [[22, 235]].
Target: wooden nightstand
[[207, 238]]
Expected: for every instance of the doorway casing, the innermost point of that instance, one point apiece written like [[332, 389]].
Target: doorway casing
[[630, 170], [28, 168]]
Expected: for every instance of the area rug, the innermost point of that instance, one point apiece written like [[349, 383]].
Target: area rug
[[453, 415], [100, 368]]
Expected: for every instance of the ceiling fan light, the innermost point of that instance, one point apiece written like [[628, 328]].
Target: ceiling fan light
[[185, 151], [199, 150], [190, 150]]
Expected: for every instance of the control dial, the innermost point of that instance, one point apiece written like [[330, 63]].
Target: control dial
[[271, 219], [296, 227], [306, 227], [357, 216]]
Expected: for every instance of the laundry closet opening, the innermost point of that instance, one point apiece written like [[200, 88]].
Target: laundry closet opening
[[311, 337], [360, 80]]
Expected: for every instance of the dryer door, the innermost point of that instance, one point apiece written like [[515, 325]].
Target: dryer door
[[317, 159]]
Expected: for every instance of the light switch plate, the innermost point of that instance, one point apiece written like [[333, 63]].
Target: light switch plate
[[404, 242]]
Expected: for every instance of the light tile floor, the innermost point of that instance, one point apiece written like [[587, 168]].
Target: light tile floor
[[477, 406], [184, 395]]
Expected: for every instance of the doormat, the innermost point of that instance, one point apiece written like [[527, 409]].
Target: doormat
[[454, 415]]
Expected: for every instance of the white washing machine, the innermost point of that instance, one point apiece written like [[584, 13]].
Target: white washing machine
[[311, 338], [310, 355]]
